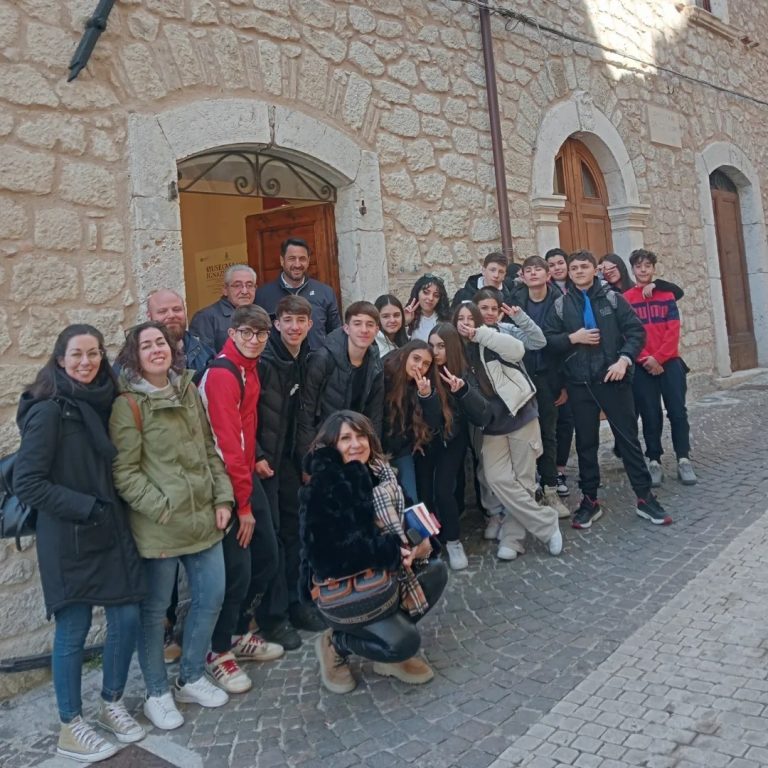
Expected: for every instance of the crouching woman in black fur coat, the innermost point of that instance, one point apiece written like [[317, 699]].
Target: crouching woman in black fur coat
[[352, 520]]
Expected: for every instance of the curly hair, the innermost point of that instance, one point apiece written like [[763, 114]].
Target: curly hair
[[443, 308], [128, 357]]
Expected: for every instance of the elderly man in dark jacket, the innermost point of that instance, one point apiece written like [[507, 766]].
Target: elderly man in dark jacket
[[293, 281], [211, 324], [344, 374], [282, 369], [598, 335]]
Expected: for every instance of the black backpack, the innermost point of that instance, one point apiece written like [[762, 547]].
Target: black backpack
[[223, 362], [16, 518]]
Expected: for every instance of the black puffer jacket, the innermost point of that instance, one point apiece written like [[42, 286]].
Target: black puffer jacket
[[337, 522], [328, 387], [470, 289], [621, 333], [85, 549], [282, 378]]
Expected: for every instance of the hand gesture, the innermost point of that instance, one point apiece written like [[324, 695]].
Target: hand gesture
[[648, 290], [223, 515], [454, 382], [583, 336], [617, 371], [410, 310], [263, 470], [510, 311], [424, 385], [467, 331]]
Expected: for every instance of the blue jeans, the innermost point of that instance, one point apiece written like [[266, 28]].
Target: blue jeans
[[72, 625], [406, 477], [205, 574]]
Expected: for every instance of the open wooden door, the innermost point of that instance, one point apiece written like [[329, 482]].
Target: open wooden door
[[314, 223], [584, 222], [733, 272]]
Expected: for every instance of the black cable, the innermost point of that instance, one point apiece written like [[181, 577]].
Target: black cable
[[530, 21]]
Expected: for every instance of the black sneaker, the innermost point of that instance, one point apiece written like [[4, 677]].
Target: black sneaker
[[283, 634], [306, 617], [588, 512], [650, 509], [562, 484]]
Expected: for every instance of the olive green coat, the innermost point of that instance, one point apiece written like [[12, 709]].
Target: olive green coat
[[168, 471]]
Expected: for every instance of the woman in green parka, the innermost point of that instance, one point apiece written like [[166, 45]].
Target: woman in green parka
[[180, 500]]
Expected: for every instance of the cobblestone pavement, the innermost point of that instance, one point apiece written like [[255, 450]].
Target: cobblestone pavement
[[539, 662]]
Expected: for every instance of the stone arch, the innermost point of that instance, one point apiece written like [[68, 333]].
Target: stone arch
[[727, 157], [578, 117], [157, 142]]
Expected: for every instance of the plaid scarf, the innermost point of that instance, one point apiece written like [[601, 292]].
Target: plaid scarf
[[388, 504]]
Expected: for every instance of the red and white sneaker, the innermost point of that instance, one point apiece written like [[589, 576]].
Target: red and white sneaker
[[251, 647], [223, 669]]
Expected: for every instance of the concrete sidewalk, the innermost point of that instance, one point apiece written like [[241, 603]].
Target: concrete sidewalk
[[639, 645]]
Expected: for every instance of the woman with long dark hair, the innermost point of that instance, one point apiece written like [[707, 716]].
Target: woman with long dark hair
[[511, 438], [351, 520], [392, 334], [85, 551], [428, 305], [180, 498], [414, 407], [439, 467]]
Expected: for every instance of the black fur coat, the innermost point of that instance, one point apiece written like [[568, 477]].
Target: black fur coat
[[337, 523]]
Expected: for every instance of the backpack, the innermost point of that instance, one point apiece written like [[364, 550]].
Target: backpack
[[226, 363], [17, 519]]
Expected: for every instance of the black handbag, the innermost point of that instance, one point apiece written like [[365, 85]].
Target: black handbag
[[16, 518], [358, 599]]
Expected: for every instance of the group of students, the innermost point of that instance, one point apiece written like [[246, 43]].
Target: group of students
[[276, 465]]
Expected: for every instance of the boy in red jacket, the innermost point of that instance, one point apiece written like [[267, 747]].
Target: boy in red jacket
[[230, 391], [661, 373]]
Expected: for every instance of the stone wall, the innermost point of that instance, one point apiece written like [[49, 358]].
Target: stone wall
[[402, 79]]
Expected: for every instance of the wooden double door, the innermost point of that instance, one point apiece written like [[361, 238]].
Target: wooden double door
[[734, 276], [584, 221], [315, 224]]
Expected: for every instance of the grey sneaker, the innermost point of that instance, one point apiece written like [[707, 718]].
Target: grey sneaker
[[114, 717], [550, 498], [685, 473], [78, 741], [657, 473]]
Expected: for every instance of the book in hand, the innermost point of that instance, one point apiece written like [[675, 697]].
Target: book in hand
[[420, 518]]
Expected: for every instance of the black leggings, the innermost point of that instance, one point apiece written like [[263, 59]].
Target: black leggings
[[395, 638]]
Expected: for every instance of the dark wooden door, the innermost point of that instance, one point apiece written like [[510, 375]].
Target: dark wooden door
[[734, 276], [314, 223], [584, 222]]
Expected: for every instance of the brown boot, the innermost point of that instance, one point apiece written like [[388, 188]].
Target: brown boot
[[414, 670], [334, 669]]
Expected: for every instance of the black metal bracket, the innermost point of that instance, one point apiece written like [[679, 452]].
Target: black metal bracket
[[95, 25]]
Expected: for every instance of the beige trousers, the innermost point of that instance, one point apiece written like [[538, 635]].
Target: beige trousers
[[509, 466]]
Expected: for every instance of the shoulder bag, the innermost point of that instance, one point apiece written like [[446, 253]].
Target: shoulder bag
[[16, 518], [358, 599]]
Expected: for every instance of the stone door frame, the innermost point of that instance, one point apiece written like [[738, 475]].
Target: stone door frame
[[158, 142], [727, 157], [578, 118]]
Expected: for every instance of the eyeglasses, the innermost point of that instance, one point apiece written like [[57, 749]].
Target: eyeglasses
[[93, 356], [246, 334], [238, 286]]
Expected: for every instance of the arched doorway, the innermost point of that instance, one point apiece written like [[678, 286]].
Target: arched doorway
[[584, 221], [238, 204], [734, 275]]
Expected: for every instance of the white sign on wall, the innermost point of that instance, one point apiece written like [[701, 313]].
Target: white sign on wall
[[664, 127]]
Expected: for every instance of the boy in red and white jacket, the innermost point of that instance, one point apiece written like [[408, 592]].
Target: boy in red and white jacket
[[661, 373], [230, 392]]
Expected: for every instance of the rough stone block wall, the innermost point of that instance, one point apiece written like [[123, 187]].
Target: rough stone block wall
[[401, 78]]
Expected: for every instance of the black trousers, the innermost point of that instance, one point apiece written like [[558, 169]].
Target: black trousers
[[564, 433], [616, 400], [395, 638], [671, 386], [248, 570], [437, 473], [283, 494], [546, 464]]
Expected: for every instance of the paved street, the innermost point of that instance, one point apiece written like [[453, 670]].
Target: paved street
[[639, 646]]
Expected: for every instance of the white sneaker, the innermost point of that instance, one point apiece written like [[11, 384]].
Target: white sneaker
[[78, 741], [506, 553], [550, 498], [251, 647], [202, 692], [161, 711], [555, 543], [457, 558], [493, 527], [114, 717], [223, 669], [657, 473]]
